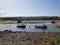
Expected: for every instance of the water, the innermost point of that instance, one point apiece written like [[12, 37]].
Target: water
[[29, 27]]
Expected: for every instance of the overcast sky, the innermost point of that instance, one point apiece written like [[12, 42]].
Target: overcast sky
[[30, 7]]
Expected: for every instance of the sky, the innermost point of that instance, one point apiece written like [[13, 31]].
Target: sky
[[29, 8]]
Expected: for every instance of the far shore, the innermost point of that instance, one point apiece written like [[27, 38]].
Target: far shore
[[26, 21]]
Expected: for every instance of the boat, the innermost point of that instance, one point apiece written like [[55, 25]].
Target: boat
[[53, 22], [58, 26], [41, 27], [21, 26]]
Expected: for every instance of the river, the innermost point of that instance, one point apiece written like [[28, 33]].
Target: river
[[29, 27]]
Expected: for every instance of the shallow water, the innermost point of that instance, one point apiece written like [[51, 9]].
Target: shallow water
[[29, 27]]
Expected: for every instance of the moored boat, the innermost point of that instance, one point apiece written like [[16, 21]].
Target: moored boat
[[21, 26], [41, 27], [58, 26]]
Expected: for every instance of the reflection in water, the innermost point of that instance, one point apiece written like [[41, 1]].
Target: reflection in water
[[29, 27]]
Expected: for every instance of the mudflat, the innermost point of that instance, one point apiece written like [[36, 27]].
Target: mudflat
[[29, 38]]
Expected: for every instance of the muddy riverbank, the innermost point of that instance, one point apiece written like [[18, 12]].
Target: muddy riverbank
[[29, 38]]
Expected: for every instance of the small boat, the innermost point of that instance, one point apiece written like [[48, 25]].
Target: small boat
[[58, 26], [41, 27], [21, 26], [53, 22]]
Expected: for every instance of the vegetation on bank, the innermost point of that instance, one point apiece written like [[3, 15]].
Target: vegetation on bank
[[31, 18], [14, 20], [10, 22], [52, 38]]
